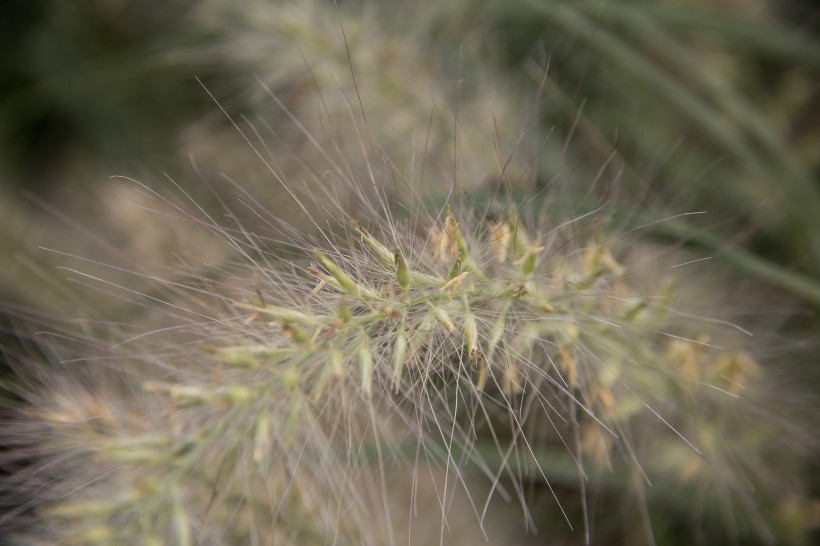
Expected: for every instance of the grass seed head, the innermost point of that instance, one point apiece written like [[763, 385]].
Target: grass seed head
[[485, 345]]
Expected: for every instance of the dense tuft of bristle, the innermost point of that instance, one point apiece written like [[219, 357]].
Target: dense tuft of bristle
[[481, 347]]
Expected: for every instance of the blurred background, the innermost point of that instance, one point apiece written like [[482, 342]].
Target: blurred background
[[711, 105], [691, 105]]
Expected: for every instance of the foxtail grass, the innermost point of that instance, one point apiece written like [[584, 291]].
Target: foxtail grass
[[408, 329]]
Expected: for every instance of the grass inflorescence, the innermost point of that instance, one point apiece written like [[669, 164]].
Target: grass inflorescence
[[371, 359], [502, 353]]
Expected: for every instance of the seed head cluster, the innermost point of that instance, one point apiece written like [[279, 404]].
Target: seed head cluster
[[474, 345], [397, 346]]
